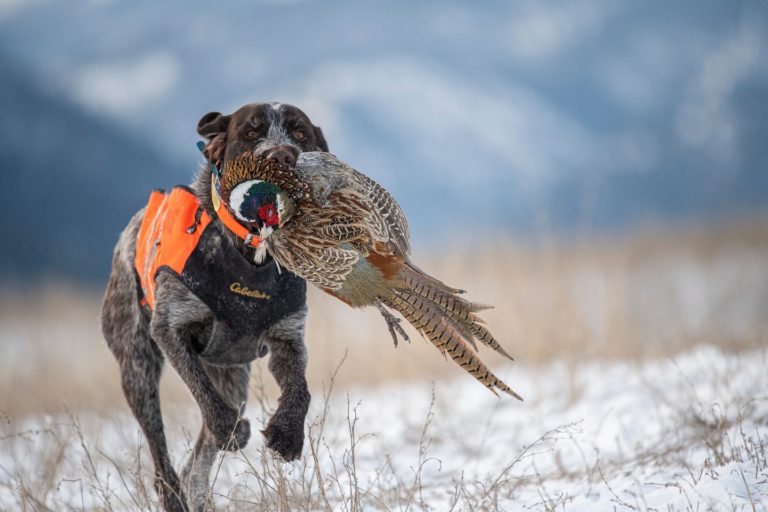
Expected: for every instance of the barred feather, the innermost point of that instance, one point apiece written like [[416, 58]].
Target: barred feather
[[350, 238], [482, 335], [413, 272], [343, 232], [248, 166], [429, 320], [460, 310], [397, 224]]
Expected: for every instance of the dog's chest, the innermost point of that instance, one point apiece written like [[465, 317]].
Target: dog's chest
[[245, 299]]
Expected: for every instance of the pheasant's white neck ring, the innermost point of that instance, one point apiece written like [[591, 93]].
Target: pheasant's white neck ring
[[238, 196], [229, 221]]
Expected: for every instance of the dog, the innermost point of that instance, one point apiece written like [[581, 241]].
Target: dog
[[211, 348]]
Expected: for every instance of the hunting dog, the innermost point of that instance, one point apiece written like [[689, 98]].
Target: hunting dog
[[200, 342]]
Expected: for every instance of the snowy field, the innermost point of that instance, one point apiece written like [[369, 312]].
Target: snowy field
[[643, 364], [688, 432]]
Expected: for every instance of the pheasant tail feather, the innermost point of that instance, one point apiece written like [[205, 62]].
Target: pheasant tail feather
[[447, 335], [461, 311]]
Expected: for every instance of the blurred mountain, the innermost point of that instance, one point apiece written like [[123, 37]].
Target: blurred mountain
[[70, 183], [521, 117]]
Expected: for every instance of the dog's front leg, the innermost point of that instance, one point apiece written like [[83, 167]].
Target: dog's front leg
[[288, 362], [176, 309]]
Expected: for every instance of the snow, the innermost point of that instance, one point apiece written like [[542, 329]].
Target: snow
[[685, 433]]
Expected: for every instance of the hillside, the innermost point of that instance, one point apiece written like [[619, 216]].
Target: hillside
[[70, 183]]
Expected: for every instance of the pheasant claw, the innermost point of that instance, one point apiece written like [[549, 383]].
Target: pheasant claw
[[393, 323]]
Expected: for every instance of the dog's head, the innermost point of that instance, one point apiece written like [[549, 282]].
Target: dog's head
[[274, 130]]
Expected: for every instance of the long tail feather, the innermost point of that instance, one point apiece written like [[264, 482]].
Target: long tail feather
[[431, 321], [410, 268], [458, 309], [483, 335]]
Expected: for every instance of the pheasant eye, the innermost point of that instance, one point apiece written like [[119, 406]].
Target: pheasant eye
[[299, 135], [252, 134]]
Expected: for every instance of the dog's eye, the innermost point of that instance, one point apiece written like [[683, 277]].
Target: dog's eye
[[298, 135], [252, 134]]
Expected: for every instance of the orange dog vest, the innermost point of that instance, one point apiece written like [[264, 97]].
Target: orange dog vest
[[168, 235]]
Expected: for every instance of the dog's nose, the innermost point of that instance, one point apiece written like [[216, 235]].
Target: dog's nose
[[285, 155]]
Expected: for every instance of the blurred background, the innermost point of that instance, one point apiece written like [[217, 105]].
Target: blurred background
[[598, 170]]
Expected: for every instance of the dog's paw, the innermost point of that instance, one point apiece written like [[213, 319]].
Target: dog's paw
[[285, 438], [231, 432]]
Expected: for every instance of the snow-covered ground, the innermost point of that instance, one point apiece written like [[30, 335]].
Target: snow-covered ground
[[684, 433]]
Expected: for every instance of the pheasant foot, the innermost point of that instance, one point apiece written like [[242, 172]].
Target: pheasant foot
[[393, 323]]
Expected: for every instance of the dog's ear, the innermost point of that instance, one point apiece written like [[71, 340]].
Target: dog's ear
[[213, 126], [322, 145]]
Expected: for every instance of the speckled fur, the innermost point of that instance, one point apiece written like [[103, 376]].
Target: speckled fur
[[181, 325]]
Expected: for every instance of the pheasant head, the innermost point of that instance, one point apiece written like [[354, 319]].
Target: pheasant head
[[261, 193], [260, 204]]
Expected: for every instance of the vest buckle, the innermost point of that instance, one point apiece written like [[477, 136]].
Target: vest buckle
[[249, 238]]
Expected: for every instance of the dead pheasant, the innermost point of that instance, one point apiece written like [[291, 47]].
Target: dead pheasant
[[341, 231]]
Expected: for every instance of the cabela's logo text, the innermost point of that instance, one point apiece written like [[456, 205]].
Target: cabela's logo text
[[247, 292]]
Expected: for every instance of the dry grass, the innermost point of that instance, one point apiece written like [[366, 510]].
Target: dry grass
[[650, 295]]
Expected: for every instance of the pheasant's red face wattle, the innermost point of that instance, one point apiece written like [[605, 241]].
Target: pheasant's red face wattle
[[268, 214]]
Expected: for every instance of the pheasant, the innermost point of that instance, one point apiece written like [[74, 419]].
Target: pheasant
[[341, 231]]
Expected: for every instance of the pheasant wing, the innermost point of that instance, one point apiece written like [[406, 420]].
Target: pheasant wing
[[367, 202], [388, 213], [316, 248]]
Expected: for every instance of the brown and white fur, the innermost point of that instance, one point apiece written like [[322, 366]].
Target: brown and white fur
[[181, 325]]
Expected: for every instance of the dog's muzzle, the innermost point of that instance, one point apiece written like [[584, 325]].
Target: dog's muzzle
[[283, 154]]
